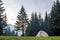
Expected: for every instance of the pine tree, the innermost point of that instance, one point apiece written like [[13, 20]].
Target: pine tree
[[55, 19], [37, 25], [30, 26], [1, 17], [34, 26], [41, 22], [22, 20], [46, 23]]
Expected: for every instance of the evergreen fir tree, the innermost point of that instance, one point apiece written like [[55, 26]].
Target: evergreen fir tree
[[37, 25], [34, 26], [22, 20], [1, 17], [29, 31], [46, 24], [55, 19], [41, 22]]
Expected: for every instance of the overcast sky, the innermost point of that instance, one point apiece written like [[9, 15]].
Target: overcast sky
[[13, 6]]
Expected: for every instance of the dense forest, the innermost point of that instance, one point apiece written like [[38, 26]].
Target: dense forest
[[51, 23]]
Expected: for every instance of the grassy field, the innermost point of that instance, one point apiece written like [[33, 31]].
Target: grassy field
[[28, 38]]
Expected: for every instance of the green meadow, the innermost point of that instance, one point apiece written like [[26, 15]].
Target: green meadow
[[29, 38]]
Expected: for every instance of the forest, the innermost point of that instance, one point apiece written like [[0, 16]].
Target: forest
[[51, 23]]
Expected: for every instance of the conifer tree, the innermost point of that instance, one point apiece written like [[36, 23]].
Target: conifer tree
[[1, 17], [46, 23], [55, 19], [41, 22], [34, 26], [22, 20], [30, 26]]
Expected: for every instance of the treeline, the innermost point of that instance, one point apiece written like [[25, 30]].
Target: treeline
[[51, 23]]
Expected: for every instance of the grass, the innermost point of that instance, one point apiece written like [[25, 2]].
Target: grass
[[28, 38]]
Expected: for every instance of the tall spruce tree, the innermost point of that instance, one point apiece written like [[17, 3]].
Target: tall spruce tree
[[22, 20], [41, 22], [37, 25], [34, 26], [55, 19], [1, 17], [46, 23], [30, 31]]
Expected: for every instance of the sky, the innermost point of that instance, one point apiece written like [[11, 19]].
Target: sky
[[12, 7]]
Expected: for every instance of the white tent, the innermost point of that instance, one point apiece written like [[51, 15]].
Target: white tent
[[42, 34]]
